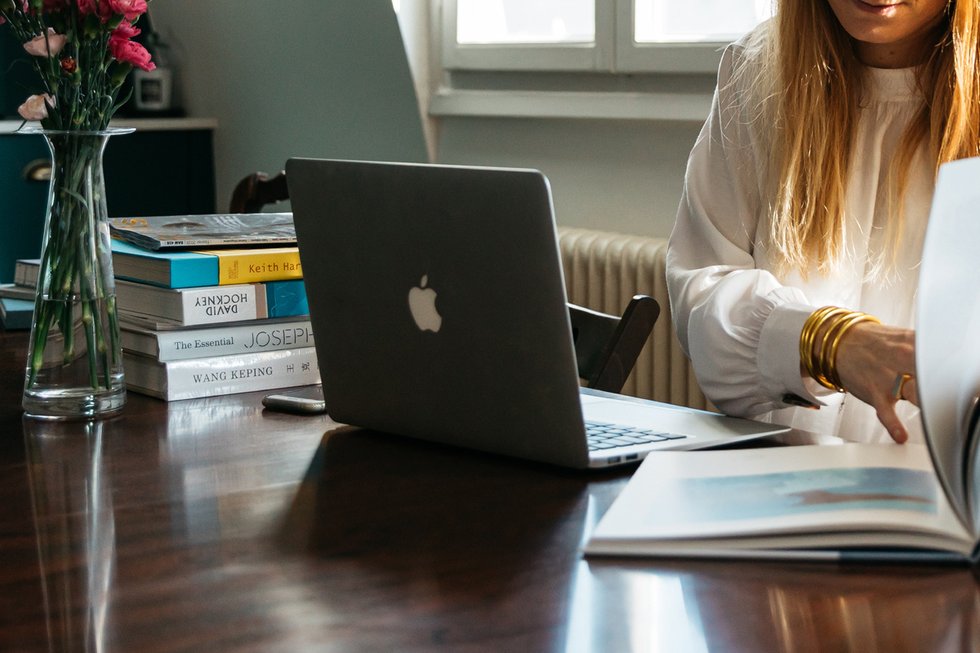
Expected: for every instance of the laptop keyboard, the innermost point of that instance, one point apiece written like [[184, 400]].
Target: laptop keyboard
[[601, 435]]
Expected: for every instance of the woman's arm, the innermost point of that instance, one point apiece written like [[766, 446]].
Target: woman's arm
[[738, 323]]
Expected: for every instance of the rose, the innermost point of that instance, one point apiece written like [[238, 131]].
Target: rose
[[36, 107], [46, 45], [125, 51]]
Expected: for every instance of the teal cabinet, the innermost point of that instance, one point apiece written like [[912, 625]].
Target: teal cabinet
[[22, 200], [152, 171]]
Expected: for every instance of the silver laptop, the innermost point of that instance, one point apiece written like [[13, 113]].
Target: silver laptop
[[438, 311]]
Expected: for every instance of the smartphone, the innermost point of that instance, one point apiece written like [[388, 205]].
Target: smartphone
[[302, 401]]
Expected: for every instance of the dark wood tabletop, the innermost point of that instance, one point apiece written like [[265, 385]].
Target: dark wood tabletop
[[212, 525]]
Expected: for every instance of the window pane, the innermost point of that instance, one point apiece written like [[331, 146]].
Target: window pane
[[697, 20], [525, 21]]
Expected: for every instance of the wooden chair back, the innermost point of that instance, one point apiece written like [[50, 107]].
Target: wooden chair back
[[607, 346]]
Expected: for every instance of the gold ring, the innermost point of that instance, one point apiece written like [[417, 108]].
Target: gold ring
[[899, 385]]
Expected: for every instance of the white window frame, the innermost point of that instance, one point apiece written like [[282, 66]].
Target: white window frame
[[614, 49], [541, 57]]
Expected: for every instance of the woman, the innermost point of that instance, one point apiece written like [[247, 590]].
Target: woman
[[809, 187]]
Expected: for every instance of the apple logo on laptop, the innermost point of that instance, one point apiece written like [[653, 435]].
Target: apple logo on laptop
[[422, 304]]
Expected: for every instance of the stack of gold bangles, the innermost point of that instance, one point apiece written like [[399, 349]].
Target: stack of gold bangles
[[819, 357]]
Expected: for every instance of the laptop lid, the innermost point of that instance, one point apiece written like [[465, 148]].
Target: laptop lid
[[438, 304], [438, 311]]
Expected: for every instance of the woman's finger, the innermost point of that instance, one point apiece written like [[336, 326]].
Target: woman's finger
[[889, 419]]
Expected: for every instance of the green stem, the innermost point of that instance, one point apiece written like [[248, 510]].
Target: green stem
[[72, 274]]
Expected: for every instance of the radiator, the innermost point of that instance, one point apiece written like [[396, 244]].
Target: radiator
[[603, 271]]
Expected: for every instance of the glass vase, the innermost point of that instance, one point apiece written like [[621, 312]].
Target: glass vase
[[74, 360]]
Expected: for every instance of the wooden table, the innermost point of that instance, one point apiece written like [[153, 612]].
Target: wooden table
[[214, 526]]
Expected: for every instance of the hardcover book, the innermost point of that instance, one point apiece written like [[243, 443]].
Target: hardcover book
[[823, 502], [213, 304], [16, 313], [187, 269], [13, 291], [221, 375], [866, 501], [221, 340], [199, 231]]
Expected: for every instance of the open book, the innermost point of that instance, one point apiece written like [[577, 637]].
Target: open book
[[881, 501]]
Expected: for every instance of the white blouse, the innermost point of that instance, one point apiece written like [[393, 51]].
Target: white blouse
[[737, 319]]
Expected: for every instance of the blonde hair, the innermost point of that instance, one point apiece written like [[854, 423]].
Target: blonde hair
[[812, 63]]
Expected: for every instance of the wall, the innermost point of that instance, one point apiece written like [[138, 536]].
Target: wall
[[330, 78], [298, 78], [615, 175]]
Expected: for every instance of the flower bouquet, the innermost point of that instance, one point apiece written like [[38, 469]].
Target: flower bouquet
[[82, 51]]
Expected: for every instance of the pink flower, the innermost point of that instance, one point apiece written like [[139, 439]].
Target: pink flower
[[46, 45], [98, 7], [87, 7], [125, 31], [36, 107], [131, 9], [126, 51]]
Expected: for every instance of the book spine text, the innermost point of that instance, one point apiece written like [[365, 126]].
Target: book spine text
[[224, 341], [262, 264], [210, 377]]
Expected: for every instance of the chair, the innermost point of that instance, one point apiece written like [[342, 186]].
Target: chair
[[256, 191], [606, 346]]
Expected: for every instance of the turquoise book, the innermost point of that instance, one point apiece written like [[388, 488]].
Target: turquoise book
[[286, 298], [16, 313], [189, 269]]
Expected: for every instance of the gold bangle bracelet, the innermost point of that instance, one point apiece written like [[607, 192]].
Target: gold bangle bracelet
[[808, 337], [809, 333], [818, 352], [823, 357], [830, 366]]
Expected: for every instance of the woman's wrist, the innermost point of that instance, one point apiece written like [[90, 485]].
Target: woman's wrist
[[820, 341]]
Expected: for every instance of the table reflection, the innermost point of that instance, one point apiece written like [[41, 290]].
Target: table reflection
[[757, 605], [71, 500], [417, 531], [215, 526]]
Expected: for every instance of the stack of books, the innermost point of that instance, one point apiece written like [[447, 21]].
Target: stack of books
[[17, 298], [211, 305]]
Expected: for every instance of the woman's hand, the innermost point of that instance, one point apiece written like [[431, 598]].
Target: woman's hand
[[871, 360]]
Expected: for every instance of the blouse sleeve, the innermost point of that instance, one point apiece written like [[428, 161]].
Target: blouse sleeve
[[737, 323]]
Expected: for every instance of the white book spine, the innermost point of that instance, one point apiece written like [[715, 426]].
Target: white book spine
[[194, 306], [184, 344], [222, 375]]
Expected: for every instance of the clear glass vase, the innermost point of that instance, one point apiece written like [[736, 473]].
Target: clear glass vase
[[74, 361]]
